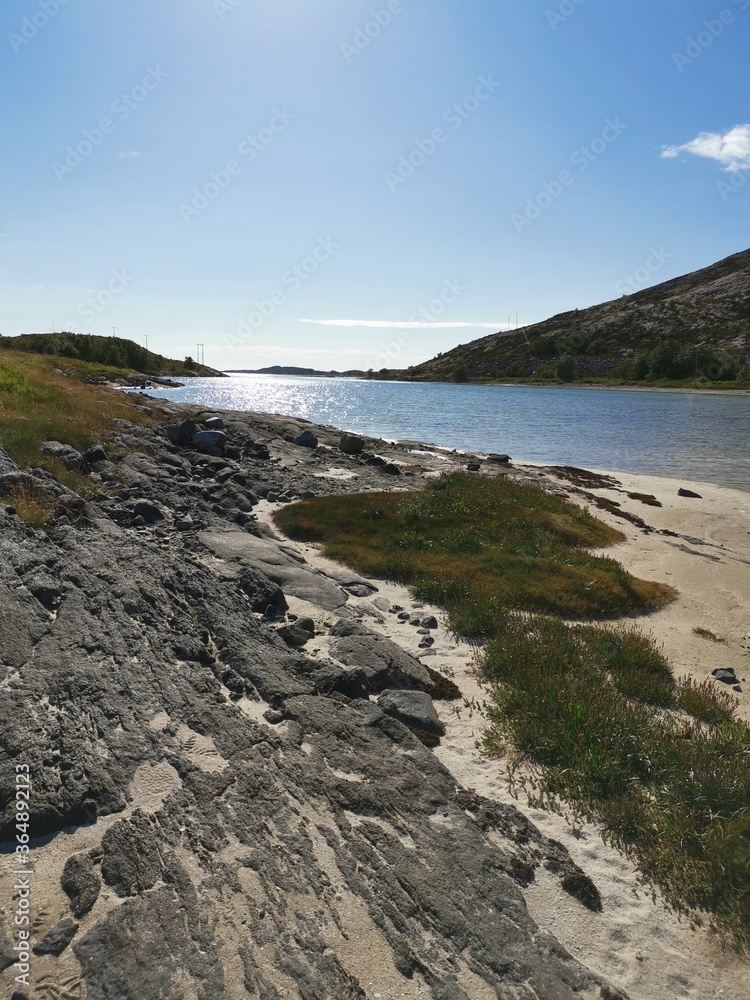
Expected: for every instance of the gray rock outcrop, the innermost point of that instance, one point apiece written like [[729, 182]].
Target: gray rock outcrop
[[243, 819]]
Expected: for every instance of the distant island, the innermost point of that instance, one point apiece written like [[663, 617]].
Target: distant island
[[292, 370]]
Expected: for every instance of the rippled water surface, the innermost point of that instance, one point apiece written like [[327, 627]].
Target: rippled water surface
[[694, 436]]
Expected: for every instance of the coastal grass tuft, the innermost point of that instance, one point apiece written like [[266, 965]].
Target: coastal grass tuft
[[589, 713], [477, 544], [593, 716]]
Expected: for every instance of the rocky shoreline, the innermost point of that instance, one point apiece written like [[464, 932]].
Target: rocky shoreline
[[216, 812]]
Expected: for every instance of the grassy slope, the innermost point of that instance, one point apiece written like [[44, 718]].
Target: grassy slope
[[114, 353], [38, 405], [590, 714]]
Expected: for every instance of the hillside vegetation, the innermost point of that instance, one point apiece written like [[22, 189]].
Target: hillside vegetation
[[694, 328], [113, 351]]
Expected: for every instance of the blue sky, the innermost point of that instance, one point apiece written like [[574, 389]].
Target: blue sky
[[360, 184]]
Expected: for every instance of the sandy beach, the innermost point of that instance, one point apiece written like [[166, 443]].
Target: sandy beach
[[636, 942]]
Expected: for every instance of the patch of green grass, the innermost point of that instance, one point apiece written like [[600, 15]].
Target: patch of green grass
[[37, 405], [475, 544], [590, 714], [596, 718]]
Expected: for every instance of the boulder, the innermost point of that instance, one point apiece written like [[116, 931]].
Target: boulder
[[385, 664], [413, 708], [182, 434], [429, 621], [214, 424], [293, 635], [95, 454], [211, 442], [306, 440], [148, 511], [391, 470], [350, 444], [499, 459], [70, 458], [688, 493]]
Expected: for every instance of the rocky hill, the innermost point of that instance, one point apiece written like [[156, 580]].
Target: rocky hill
[[703, 318]]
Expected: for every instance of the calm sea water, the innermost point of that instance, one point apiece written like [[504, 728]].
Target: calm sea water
[[692, 436]]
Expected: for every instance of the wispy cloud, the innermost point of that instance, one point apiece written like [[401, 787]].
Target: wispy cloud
[[731, 150], [387, 324], [129, 155]]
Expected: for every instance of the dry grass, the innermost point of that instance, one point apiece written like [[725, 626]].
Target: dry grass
[[706, 633], [37, 405]]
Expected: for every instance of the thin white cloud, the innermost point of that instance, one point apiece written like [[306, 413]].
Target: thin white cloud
[[129, 155], [731, 150], [387, 324]]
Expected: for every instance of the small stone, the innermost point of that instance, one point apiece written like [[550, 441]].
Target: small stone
[[184, 524], [726, 676], [404, 616], [273, 716], [391, 469], [272, 497], [307, 625], [737, 688], [688, 493], [19, 994], [427, 642], [500, 459], [473, 467], [139, 522], [429, 621], [215, 424], [58, 939]]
